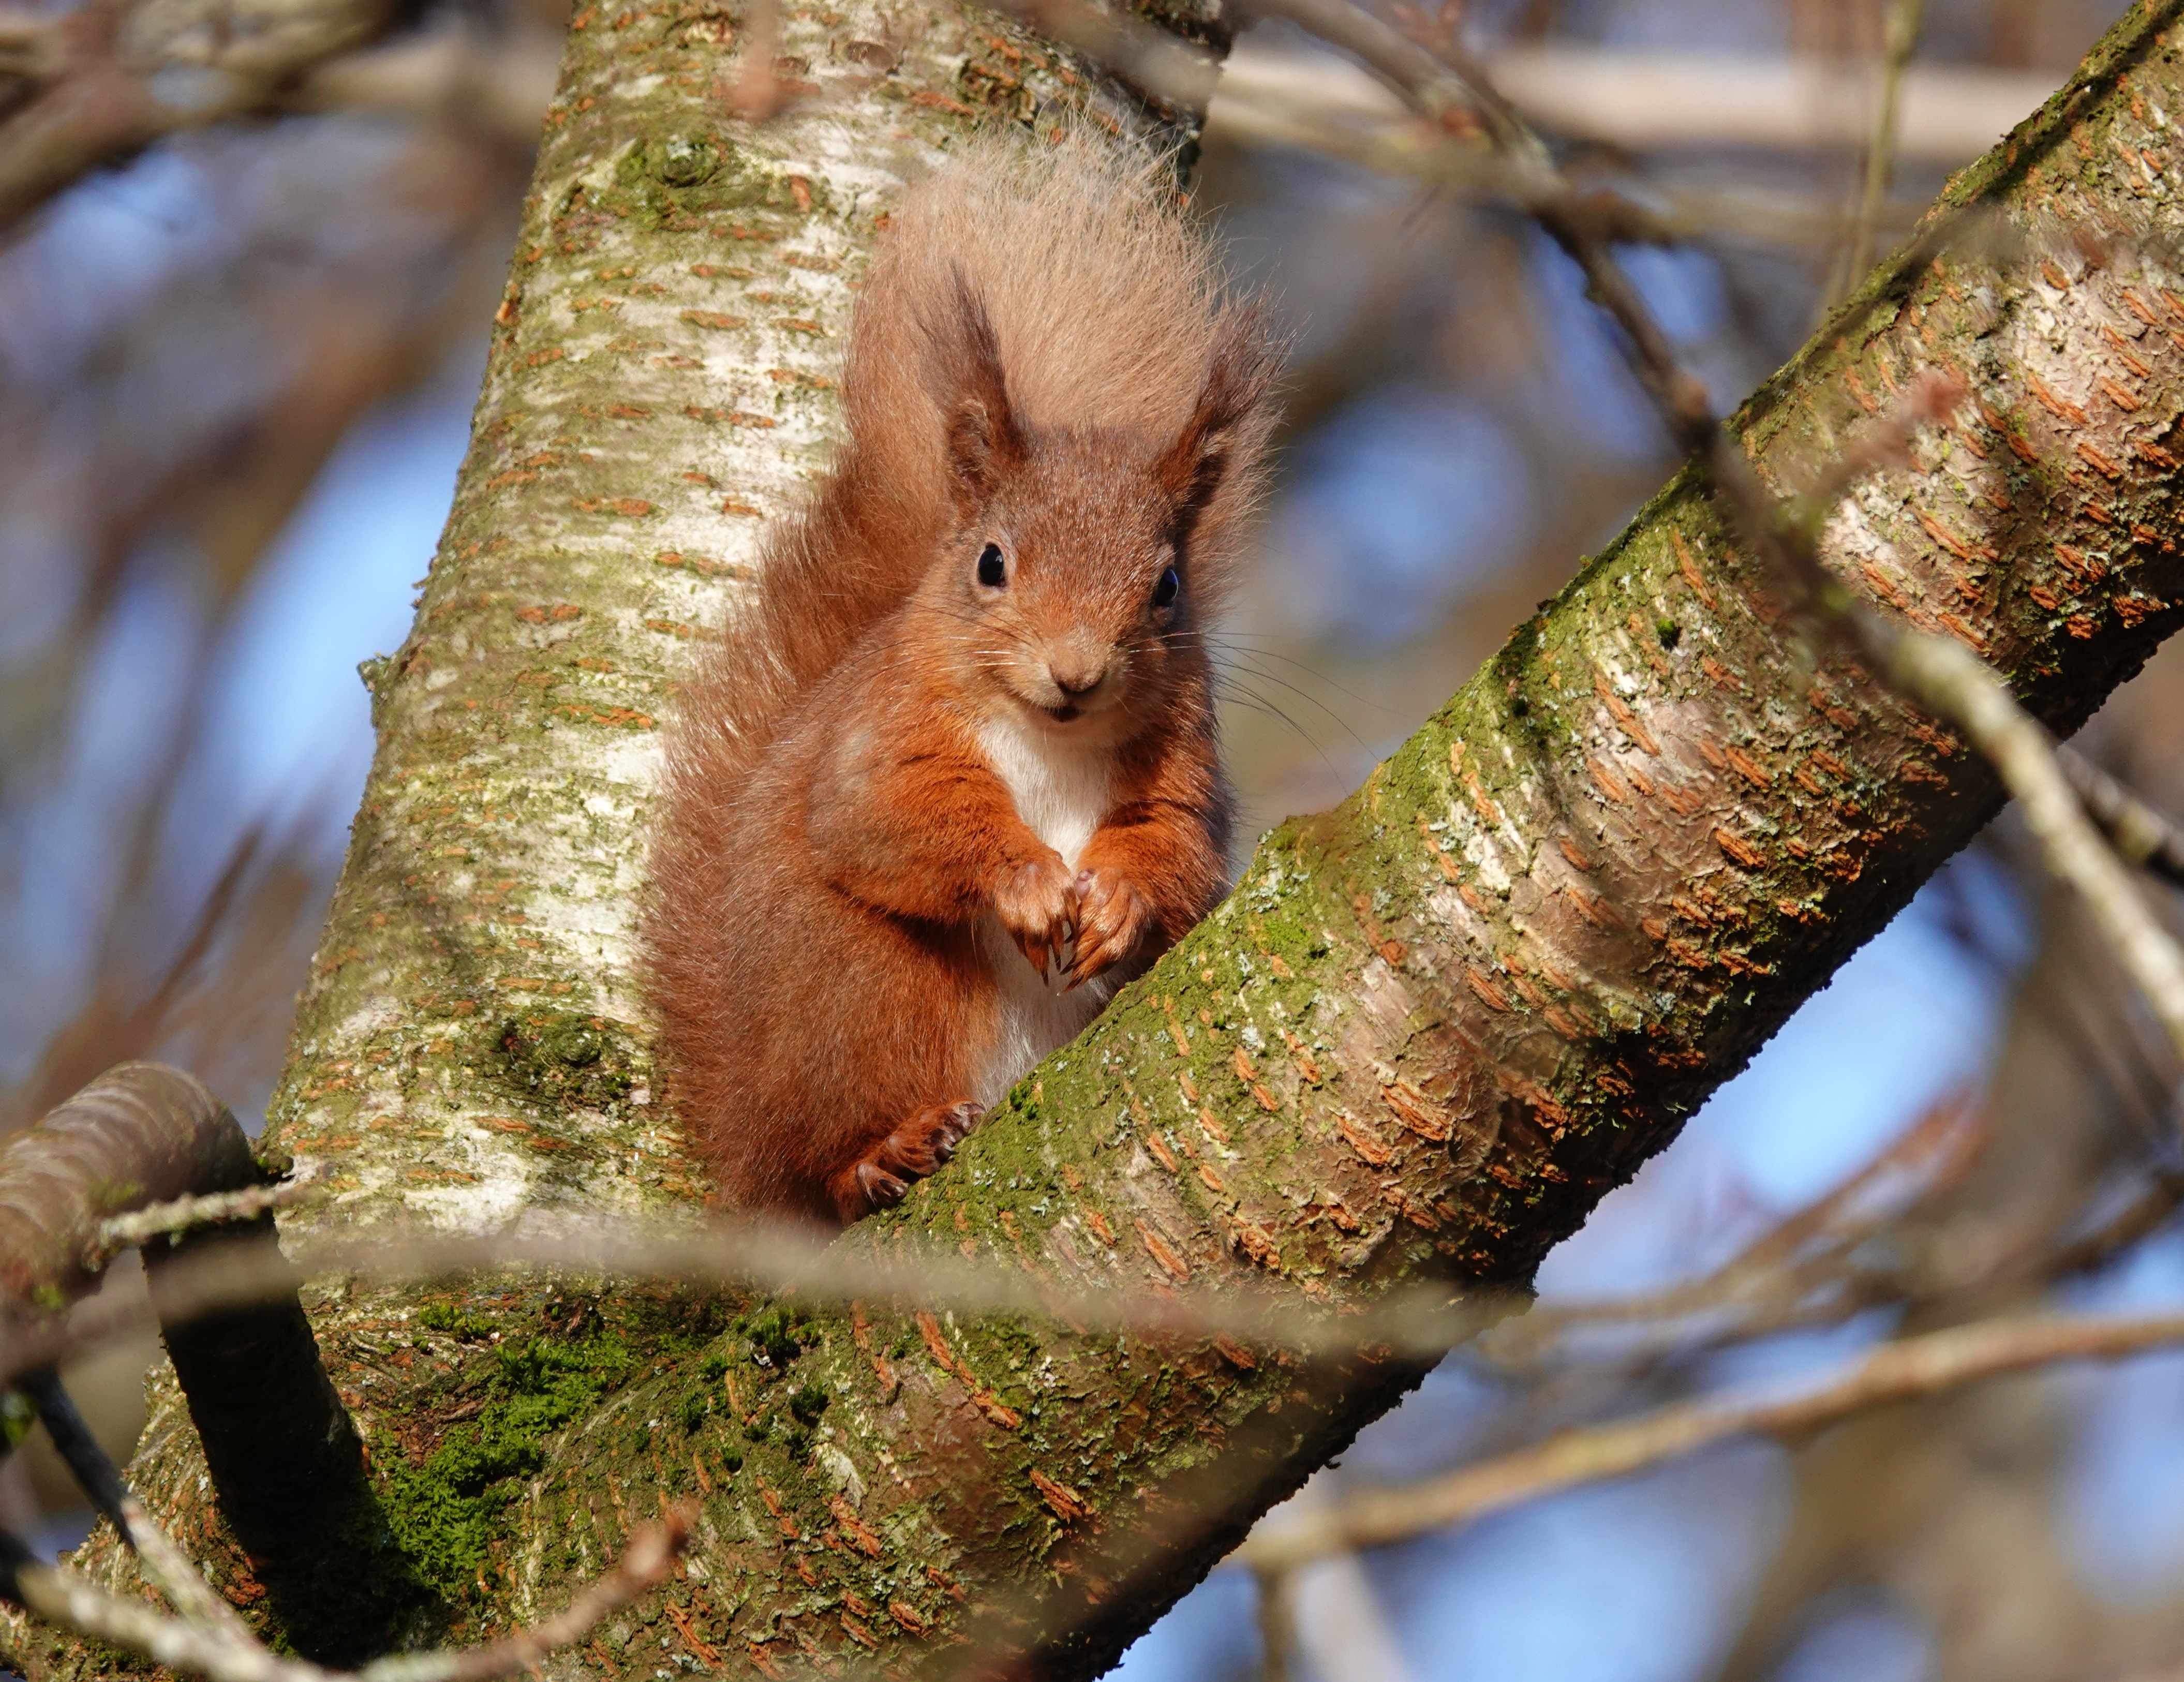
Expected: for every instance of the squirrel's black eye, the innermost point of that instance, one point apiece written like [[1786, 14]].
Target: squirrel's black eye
[[992, 573], [1164, 593]]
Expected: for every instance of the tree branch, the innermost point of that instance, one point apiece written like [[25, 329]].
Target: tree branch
[[1911, 1367], [227, 1653], [1900, 23], [1962, 688], [1933, 669], [1427, 1033], [98, 104], [166, 1564], [2144, 836], [270, 1423]]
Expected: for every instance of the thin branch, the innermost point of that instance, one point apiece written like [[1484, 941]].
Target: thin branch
[[648, 1559], [1900, 39], [757, 94], [1422, 1321], [182, 1213], [1276, 1612], [2141, 1217], [63, 1598], [1166, 70], [2144, 836], [1948, 114], [97, 105], [1443, 83], [30, 46], [1931, 397], [1780, 1269], [145, 1126], [1912, 1367], [167, 1566], [1439, 81], [269, 1419], [497, 84], [1642, 100], [1952, 682]]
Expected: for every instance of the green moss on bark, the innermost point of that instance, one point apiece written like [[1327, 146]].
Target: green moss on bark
[[1421, 1039]]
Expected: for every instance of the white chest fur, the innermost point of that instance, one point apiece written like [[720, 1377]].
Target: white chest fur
[[1062, 791]]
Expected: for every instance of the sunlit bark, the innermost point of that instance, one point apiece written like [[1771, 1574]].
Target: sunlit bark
[[1427, 1033]]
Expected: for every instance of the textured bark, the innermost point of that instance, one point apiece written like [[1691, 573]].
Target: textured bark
[[1426, 1035]]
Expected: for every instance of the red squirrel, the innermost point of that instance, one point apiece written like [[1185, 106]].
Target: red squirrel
[[950, 776]]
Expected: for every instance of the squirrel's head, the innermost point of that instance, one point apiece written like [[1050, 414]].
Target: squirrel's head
[[1070, 569]]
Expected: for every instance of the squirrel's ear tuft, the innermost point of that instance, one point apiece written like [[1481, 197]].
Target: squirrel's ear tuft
[[963, 369], [1237, 381]]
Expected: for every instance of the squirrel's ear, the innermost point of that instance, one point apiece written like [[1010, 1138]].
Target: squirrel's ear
[[1244, 365], [985, 443]]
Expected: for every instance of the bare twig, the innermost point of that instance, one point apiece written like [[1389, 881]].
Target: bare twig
[[152, 1129], [1424, 1321], [173, 1573], [1952, 682], [1639, 101], [1877, 173], [757, 94], [648, 1559], [1437, 78], [1931, 397], [1895, 1372], [166, 1564], [1445, 85], [183, 1213], [2144, 836], [29, 46], [1277, 1620], [497, 84], [1166, 70], [1782, 1268], [98, 104], [63, 1598], [1948, 114], [269, 1419]]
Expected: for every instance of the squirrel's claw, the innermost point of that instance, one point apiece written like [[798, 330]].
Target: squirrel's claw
[[1090, 957], [1036, 902], [881, 1177], [1112, 917], [882, 1189]]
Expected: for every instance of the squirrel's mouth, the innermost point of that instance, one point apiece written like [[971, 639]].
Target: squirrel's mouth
[[1063, 714]]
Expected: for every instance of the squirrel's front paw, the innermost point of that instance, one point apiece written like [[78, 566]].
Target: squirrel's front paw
[[1037, 904], [1112, 917]]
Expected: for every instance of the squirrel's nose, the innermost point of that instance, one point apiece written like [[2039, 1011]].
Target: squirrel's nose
[[1079, 666]]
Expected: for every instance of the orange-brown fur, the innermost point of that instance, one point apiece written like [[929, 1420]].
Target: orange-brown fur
[[1041, 362]]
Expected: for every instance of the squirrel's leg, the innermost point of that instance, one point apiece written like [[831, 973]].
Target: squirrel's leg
[[1150, 872], [880, 1179], [1158, 861], [924, 830]]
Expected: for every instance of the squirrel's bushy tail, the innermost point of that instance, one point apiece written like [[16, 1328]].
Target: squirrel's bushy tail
[[1108, 307]]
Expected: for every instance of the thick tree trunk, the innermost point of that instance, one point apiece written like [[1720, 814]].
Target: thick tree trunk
[[1423, 1037]]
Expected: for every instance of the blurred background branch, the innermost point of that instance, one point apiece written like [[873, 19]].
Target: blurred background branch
[[251, 253]]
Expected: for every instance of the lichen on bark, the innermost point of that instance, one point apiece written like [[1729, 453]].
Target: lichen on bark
[[1424, 1035]]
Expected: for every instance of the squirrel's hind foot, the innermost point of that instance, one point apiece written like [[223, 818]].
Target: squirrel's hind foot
[[881, 1178]]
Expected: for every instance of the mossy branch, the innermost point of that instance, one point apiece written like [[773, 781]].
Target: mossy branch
[[1427, 1033]]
